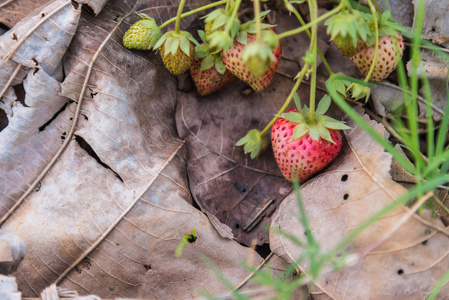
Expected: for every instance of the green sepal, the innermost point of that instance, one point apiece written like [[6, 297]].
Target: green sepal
[[297, 101], [185, 46], [174, 46], [219, 66], [192, 39], [160, 42], [299, 131], [348, 27], [220, 40], [309, 58], [331, 123], [313, 132], [257, 57], [207, 63], [323, 105], [242, 37], [324, 134], [202, 35], [201, 51], [359, 91], [254, 142], [294, 117]]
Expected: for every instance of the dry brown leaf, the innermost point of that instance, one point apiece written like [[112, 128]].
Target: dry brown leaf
[[107, 216], [405, 266]]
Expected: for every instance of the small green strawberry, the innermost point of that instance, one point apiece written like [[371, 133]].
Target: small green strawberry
[[302, 147], [177, 50], [143, 34], [349, 31]]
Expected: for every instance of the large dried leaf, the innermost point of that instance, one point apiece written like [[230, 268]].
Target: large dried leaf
[[108, 214], [406, 265]]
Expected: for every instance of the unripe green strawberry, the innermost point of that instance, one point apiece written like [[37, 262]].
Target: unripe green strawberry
[[300, 158], [389, 54], [233, 60], [209, 80], [179, 62], [177, 50], [143, 34]]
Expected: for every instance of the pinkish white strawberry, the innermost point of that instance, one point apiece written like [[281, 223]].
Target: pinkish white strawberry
[[303, 148]]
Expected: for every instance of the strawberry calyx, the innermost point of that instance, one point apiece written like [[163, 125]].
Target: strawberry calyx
[[386, 27], [254, 142], [259, 55], [217, 21], [173, 41], [316, 128], [209, 58], [349, 31]]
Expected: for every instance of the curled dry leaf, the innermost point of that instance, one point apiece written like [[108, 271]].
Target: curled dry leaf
[[406, 265], [93, 172]]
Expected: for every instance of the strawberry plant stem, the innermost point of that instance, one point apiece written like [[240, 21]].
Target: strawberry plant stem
[[299, 77], [318, 20], [376, 49], [178, 16], [233, 15], [313, 45], [301, 20], [379, 11], [257, 17]]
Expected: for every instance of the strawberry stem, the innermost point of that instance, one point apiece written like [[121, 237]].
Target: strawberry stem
[[316, 21], [197, 10], [301, 20], [289, 98], [233, 15], [257, 17], [313, 45], [379, 11], [178, 16], [376, 47]]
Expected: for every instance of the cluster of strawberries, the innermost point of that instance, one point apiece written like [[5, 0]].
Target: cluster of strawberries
[[304, 141], [221, 55]]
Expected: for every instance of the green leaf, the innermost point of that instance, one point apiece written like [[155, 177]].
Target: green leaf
[[299, 131], [254, 142], [314, 134], [294, 117], [207, 63], [323, 105]]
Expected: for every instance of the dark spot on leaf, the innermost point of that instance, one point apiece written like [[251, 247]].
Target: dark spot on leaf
[[53, 118], [400, 272], [344, 177], [346, 196], [14, 37], [424, 243], [147, 267]]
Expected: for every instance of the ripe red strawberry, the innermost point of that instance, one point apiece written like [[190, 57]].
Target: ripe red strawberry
[[389, 54], [304, 156], [209, 80], [233, 60]]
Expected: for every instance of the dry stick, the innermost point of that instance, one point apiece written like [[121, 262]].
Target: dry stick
[[72, 128], [6, 3], [13, 75], [30, 32]]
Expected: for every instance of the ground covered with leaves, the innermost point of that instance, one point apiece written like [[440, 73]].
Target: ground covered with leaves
[[108, 162]]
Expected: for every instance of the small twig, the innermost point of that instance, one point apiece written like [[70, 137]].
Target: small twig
[[441, 203], [426, 47], [8, 83], [6, 3], [252, 273]]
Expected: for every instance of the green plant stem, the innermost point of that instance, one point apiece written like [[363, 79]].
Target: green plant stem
[[257, 17], [233, 15], [301, 20], [347, 5], [178, 16], [318, 20], [376, 49], [379, 11], [313, 7], [289, 98], [189, 13]]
